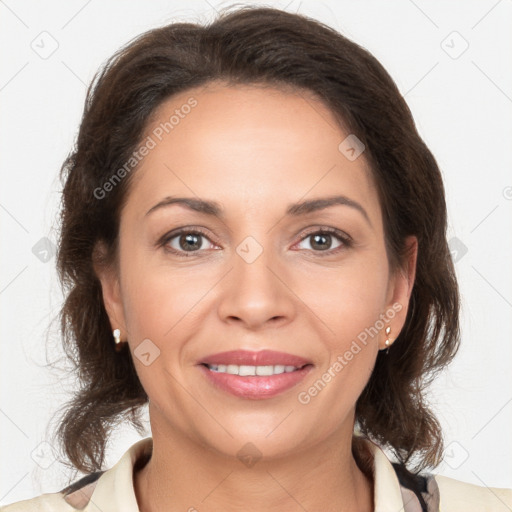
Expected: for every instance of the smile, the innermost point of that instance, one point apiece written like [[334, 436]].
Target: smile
[[247, 370], [254, 382]]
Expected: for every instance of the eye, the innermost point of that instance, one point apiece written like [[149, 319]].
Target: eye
[[185, 241], [188, 240], [322, 240]]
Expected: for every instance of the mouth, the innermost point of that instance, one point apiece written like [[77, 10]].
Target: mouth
[[254, 375]]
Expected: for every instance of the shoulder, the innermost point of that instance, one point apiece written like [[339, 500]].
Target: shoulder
[[44, 502], [458, 496], [436, 493], [111, 489], [71, 498]]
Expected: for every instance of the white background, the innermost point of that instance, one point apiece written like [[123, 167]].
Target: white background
[[462, 107]]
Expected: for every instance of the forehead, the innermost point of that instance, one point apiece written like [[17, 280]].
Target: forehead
[[249, 147]]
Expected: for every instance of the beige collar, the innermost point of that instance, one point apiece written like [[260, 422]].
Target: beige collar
[[114, 491]]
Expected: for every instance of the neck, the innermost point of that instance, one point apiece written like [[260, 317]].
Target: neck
[[181, 475]]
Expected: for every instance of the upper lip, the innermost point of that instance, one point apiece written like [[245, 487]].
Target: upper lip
[[260, 358]]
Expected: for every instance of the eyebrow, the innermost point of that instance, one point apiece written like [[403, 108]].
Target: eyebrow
[[296, 209]]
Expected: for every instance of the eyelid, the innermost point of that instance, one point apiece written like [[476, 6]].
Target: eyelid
[[164, 240], [345, 239], [326, 229]]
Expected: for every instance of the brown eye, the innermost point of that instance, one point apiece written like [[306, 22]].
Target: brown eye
[[323, 240], [185, 241], [190, 241]]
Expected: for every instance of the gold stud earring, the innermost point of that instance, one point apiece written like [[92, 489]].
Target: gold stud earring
[[388, 341]]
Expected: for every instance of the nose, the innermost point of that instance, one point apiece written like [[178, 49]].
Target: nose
[[255, 293]]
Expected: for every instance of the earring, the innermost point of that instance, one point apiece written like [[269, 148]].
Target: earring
[[117, 339], [388, 341]]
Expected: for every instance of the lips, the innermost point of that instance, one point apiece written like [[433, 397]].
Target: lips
[[249, 358], [254, 387], [254, 375]]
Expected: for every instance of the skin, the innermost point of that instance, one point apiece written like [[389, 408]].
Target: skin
[[254, 151]]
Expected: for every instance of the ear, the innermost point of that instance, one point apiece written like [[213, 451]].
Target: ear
[[400, 289], [108, 276]]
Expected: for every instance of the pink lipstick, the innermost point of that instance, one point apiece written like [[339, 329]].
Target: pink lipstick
[[254, 375]]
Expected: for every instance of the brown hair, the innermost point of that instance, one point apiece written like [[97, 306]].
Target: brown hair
[[271, 47]]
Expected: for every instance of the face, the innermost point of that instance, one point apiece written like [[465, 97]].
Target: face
[[252, 270]]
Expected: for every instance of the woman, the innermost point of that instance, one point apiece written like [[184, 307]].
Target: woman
[[254, 244]]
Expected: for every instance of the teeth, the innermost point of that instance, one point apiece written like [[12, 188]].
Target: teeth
[[246, 370]]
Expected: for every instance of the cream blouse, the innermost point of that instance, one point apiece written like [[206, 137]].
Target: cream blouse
[[112, 490]]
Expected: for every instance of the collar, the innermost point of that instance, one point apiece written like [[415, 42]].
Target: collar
[[114, 490]]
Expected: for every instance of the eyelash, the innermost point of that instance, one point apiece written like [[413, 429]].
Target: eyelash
[[347, 240]]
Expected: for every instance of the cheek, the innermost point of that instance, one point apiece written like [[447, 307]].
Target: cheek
[[350, 310], [157, 297], [347, 300], [350, 302]]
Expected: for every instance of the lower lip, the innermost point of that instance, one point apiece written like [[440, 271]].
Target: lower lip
[[256, 387]]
